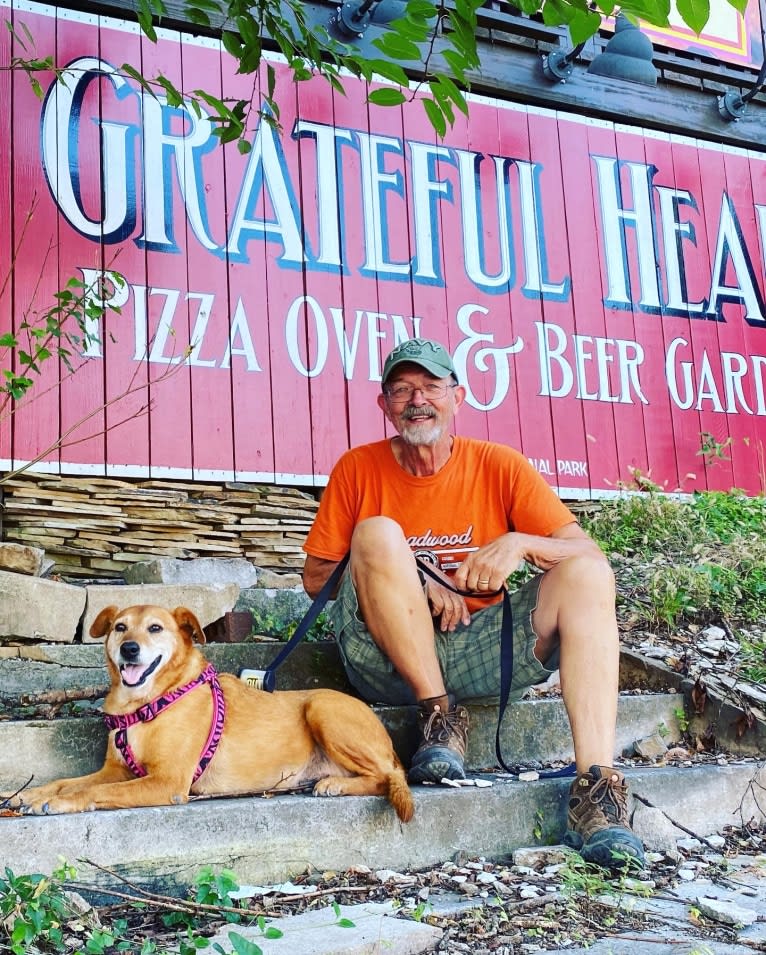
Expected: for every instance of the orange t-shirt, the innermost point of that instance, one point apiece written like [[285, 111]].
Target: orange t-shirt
[[484, 490]]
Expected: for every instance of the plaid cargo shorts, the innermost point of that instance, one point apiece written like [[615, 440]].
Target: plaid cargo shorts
[[469, 656]]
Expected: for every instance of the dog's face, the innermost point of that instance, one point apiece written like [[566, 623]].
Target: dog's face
[[142, 640]]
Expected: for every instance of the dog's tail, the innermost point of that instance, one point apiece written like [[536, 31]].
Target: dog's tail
[[399, 794]]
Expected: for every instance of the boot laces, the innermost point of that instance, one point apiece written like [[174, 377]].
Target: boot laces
[[441, 726], [612, 798]]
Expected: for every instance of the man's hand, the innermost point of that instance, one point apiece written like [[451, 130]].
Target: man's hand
[[488, 567], [446, 604]]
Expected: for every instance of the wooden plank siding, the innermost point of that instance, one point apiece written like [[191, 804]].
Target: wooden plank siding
[[600, 285]]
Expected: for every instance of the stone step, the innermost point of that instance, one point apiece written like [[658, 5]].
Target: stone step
[[533, 731], [267, 840]]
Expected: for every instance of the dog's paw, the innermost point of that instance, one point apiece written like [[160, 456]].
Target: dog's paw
[[54, 806], [330, 786]]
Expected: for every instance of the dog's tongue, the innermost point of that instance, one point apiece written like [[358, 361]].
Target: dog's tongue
[[132, 673]]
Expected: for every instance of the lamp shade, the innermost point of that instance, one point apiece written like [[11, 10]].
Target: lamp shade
[[627, 55]]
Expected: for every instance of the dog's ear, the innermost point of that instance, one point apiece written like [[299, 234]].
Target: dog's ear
[[103, 622], [187, 621]]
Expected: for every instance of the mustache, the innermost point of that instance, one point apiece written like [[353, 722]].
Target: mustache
[[413, 412]]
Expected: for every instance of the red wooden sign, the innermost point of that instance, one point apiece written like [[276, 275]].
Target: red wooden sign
[[600, 287]]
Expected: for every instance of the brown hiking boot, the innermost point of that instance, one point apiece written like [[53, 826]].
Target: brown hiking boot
[[597, 823], [441, 754]]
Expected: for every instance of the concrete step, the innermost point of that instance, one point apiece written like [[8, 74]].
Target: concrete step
[[267, 840], [533, 731]]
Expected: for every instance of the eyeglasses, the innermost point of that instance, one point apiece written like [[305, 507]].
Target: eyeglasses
[[431, 391]]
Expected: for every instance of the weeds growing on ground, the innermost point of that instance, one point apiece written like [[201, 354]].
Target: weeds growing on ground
[[696, 561]]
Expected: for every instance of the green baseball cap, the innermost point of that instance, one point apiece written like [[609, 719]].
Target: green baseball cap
[[421, 351]]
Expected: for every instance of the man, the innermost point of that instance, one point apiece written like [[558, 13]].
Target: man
[[474, 510]]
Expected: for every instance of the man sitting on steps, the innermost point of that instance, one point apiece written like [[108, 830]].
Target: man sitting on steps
[[474, 510]]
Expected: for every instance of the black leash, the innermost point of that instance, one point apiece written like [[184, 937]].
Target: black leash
[[270, 673], [506, 645]]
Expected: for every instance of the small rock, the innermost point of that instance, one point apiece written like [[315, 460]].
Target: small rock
[[687, 875], [715, 840], [713, 633], [651, 747], [535, 857], [529, 776], [396, 878], [530, 892], [469, 888], [486, 878], [22, 559], [725, 911], [689, 844]]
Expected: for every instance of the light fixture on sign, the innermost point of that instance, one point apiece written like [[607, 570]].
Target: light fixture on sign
[[731, 105], [627, 55], [557, 66], [354, 16]]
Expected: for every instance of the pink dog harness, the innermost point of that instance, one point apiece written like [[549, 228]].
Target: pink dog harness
[[147, 712]]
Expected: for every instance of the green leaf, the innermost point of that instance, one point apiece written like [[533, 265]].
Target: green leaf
[[345, 923], [656, 12], [583, 25], [387, 96], [8, 340], [244, 146], [435, 116], [390, 71], [740, 5], [198, 16], [232, 43], [453, 92], [457, 64], [415, 30], [397, 47], [243, 946], [694, 13], [421, 9], [145, 19], [133, 73]]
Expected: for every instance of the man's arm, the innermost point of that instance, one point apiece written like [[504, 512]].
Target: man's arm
[[493, 562], [316, 571]]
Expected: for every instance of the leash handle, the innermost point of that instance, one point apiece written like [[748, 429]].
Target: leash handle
[[269, 674]]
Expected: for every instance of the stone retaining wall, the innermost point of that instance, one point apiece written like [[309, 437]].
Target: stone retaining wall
[[93, 527]]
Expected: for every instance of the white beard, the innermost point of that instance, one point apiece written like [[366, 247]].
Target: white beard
[[425, 433]]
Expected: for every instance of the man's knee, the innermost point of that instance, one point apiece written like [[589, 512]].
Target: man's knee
[[376, 539], [586, 575]]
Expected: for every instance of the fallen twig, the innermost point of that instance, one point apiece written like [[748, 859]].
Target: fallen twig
[[185, 905], [678, 825], [65, 696]]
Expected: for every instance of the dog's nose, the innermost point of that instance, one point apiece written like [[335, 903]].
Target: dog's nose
[[130, 650]]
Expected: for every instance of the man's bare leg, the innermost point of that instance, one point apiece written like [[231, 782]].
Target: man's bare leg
[[577, 599], [576, 606], [393, 605], [397, 615]]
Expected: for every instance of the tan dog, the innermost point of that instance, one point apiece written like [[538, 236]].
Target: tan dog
[[265, 741]]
